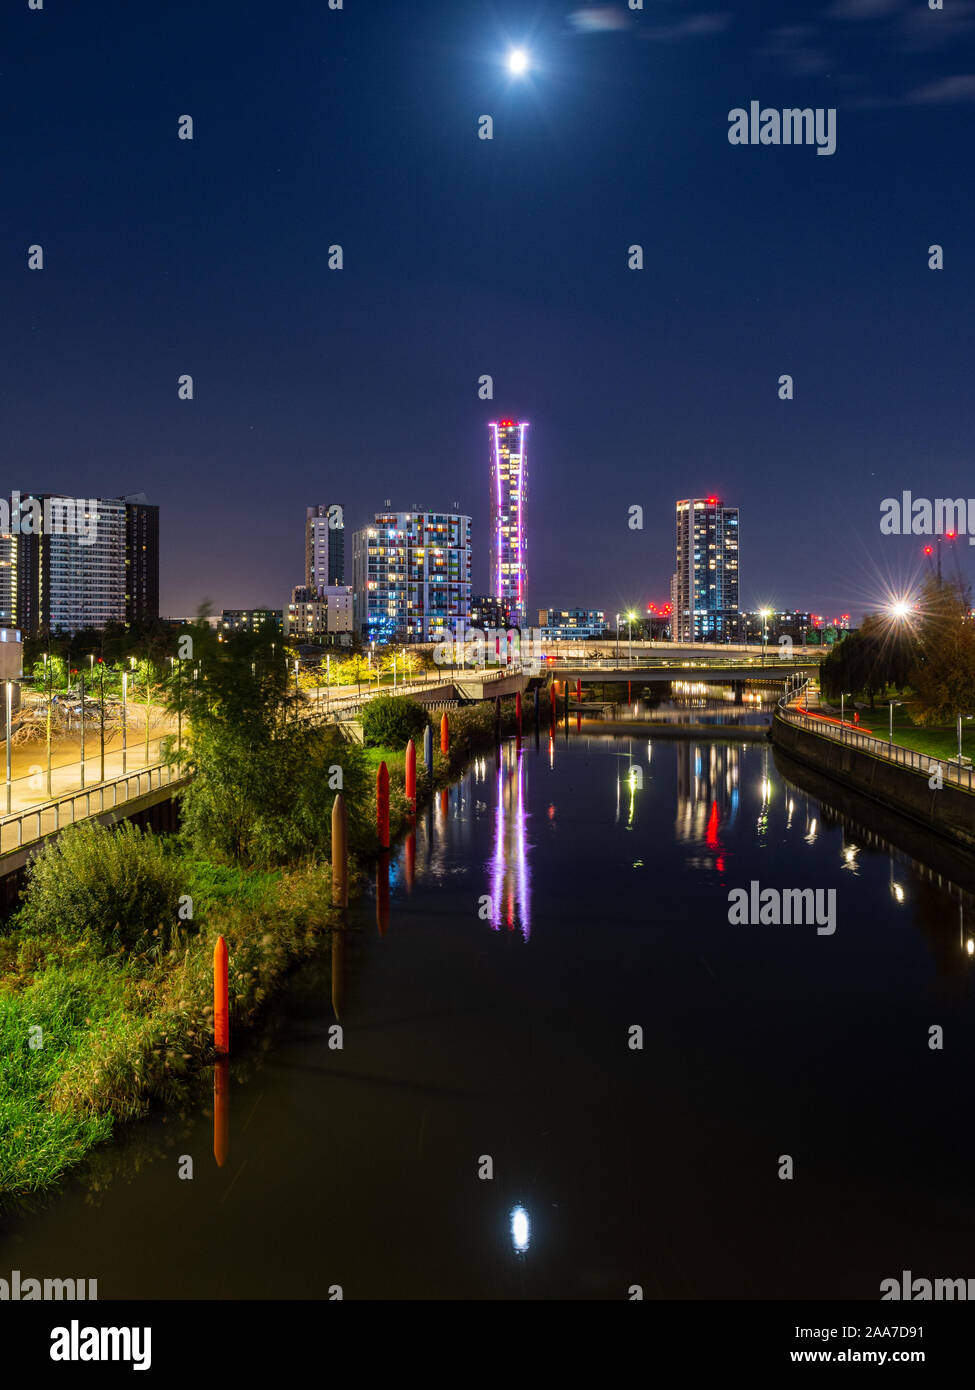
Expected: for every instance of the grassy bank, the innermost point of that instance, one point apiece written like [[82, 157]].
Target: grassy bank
[[104, 1008]]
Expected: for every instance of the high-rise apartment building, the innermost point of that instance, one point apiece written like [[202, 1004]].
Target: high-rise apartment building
[[324, 546], [141, 559], [411, 576], [509, 495], [79, 562], [704, 591]]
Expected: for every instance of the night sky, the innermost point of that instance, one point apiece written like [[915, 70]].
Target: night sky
[[508, 257]]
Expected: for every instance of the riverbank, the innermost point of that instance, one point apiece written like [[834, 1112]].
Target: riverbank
[[948, 810], [91, 1035]]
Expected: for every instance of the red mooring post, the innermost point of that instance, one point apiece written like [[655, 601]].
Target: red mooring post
[[221, 999], [579, 691], [340, 853], [444, 734], [629, 692], [382, 805], [410, 772], [518, 709]]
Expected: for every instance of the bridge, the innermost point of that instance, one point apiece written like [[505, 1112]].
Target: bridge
[[710, 669]]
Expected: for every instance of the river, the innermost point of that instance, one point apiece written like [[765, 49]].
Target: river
[[490, 1128]]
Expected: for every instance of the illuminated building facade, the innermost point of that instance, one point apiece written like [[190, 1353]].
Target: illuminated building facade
[[509, 495], [81, 563], [705, 584], [324, 546], [316, 612], [411, 576]]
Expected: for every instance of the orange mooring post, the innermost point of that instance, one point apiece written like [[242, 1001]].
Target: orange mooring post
[[382, 805], [411, 773], [340, 853], [629, 692], [221, 1000], [444, 734]]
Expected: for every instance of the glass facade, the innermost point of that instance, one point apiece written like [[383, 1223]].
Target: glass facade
[[509, 496], [411, 576], [705, 585]]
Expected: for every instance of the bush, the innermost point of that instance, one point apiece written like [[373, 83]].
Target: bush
[[390, 721], [122, 886]]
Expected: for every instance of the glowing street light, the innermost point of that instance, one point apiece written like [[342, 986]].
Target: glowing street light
[[764, 614]]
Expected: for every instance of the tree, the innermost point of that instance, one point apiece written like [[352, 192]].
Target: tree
[[390, 721], [263, 782], [944, 674]]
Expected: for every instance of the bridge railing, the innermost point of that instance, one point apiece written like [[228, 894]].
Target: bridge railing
[[952, 771], [27, 824]]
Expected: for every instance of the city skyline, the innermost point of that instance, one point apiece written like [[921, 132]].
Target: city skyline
[[641, 385]]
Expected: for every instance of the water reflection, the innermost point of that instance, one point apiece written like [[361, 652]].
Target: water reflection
[[509, 873], [707, 790], [221, 1110]]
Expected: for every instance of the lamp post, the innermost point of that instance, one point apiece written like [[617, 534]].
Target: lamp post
[[629, 649], [81, 687], [765, 614], [49, 673], [10, 721], [101, 717], [125, 720], [179, 705], [618, 616]]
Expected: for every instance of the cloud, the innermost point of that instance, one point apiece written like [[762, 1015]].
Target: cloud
[[599, 19], [920, 30], [864, 9], [944, 91], [695, 26], [797, 48]]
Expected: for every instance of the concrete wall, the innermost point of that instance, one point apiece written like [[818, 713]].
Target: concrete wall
[[949, 811]]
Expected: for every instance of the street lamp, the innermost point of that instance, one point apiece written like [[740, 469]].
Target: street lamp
[[629, 651], [101, 716], [10, 722], [81, 687], [125, 720], [618, 616], [48, 672], [764, 614]]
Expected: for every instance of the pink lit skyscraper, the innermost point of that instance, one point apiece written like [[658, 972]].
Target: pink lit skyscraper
[[509, 491]]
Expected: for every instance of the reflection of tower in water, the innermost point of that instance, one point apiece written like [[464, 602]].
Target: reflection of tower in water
[[707, 788], [509, 875]]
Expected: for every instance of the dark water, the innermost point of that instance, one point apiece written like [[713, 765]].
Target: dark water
[[554, 905]]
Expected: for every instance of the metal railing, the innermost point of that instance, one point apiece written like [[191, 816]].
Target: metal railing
[[674, 663], [825, 726], [103, 796]]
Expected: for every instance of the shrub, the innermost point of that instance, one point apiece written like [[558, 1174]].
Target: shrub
[[120, 885], [390, 721]]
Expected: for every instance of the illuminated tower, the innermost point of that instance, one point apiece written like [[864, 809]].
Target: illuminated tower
[[509, 489], [704, 590]]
